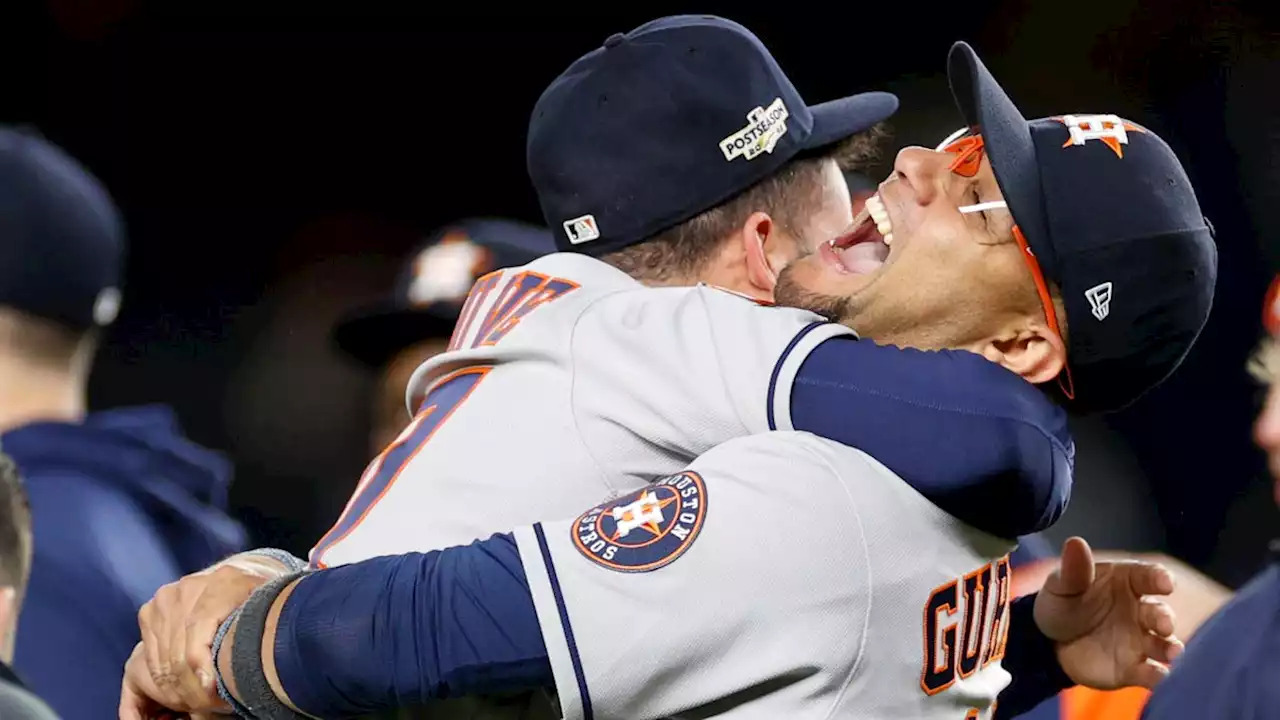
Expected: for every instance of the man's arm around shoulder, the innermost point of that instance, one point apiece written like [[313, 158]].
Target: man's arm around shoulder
[[501, 615]]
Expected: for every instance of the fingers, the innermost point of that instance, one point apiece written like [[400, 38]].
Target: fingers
[[1157, 617], [178, 626], [139, 697], [149, 624], [190, 656], [181, 679], [1148, 578], [1162, 650], [1075, 571], [1160, 653], [202, 603], [162, 621], [132, 704], [197, 659], [1147, 674]]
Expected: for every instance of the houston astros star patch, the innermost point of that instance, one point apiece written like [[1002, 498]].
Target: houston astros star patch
[[646, 529]]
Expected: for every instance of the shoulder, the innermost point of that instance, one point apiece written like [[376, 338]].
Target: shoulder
[[794, 467], [581, 269], [17, 703], [1228, 663], [88, 533], [770, 448], [708, 310], [76, 502]]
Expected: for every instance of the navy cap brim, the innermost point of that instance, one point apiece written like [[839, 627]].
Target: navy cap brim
[[1007, 144], [836, 120], [372, 336]]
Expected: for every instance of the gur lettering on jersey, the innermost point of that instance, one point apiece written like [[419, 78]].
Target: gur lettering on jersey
[[644, 530], [966, 626], [765, 127]]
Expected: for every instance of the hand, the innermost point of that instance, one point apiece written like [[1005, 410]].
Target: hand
[[1110, 630], [1197, 598], [178, 626], [140, 699]]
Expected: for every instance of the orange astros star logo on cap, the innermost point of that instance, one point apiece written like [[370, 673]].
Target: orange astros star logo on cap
[[1112, 130]]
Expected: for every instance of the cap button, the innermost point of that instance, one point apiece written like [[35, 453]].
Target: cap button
[[614, 40]]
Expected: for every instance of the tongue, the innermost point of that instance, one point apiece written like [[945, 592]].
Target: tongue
[[864, 257]]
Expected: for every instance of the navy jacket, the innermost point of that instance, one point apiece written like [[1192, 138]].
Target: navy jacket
[[1229, 669], [121, 504]]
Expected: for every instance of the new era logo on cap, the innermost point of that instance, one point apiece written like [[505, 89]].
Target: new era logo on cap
[[582, 229], [1102, 203], [1099, 297], [764, 128]]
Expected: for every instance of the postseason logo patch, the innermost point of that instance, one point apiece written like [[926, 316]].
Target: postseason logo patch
[[646, 529], [765, 126]]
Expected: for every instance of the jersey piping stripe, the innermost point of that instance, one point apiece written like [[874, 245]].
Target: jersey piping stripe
[[778, 405], [574, 657]]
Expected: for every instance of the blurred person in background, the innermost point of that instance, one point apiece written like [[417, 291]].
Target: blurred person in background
[[121, 502], [413, 324], [1229, 670], [16, 702]]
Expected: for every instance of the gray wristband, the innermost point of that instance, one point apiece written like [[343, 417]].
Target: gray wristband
[[246, 657], [295, 564], [239, 710]]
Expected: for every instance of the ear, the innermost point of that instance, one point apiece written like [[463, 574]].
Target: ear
[[767, 250], [1036, 353]]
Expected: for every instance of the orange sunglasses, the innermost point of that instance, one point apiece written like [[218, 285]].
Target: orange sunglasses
[[969, 150]]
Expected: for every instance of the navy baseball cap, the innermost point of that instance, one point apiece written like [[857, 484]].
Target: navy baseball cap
[[62, 239], [434, 282], [668, 121], [1109, 216]]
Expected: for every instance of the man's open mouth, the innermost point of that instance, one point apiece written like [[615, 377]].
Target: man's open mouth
[[865, 247]]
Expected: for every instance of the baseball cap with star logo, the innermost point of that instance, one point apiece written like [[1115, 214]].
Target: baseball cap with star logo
[[667, 121], [1106, 213], [433, 283]]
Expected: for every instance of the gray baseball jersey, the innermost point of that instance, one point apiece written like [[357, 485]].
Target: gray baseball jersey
[[569, 383], [781, 575]]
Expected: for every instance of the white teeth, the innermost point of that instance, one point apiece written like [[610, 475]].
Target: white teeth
[[875, 206]]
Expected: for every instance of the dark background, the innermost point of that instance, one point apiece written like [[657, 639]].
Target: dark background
[[274, 164]]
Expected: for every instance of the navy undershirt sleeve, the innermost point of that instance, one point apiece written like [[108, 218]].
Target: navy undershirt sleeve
[[1032, 660], [977, 440], [399, 631]]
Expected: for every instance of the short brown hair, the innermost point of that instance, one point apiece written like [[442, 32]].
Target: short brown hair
[[787, 195], [15, 527]]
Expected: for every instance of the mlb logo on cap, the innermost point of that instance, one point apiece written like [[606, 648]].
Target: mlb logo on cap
[[668, 121], [581, 229]]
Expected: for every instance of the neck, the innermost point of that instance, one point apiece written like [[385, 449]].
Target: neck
[[33, 394]]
